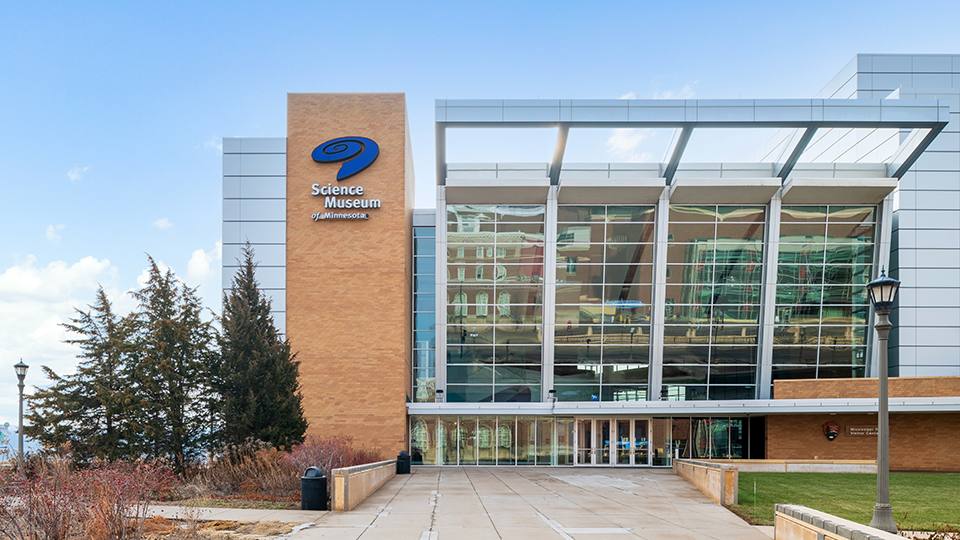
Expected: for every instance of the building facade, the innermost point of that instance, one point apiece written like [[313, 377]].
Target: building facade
[[608, 314]]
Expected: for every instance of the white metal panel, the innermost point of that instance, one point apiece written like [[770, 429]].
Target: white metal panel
[[274, 187], [272, 277], [231, 210], [263, 164], [263, 209], [263, 232], [231, 187], [264, 145], [231, 232], [231, 164]]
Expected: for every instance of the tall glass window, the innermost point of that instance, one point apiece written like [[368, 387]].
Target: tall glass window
[[712, 311], [494, 300], [424, 314], [604, 275], [825, 262]]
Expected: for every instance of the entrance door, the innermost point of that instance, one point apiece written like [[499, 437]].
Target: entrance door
[[641, 442], [594, 443], [612, 441], [585, 448]]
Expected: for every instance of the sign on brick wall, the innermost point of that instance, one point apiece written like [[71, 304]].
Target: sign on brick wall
[[862, 431]]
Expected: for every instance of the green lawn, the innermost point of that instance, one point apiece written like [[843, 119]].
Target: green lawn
[[920, 501]]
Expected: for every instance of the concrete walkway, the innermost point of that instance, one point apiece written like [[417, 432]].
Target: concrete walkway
[[521, 504]]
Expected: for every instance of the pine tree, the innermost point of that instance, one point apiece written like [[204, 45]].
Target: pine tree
[[88, 409], [171, 376], [258, 378]]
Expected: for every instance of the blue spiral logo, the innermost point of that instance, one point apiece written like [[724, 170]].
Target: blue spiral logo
[[358, 153]]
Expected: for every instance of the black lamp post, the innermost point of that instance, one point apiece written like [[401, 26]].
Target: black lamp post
[[882, 292], [21, 370]]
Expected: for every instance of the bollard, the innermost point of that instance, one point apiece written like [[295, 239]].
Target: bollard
[[313, 490]]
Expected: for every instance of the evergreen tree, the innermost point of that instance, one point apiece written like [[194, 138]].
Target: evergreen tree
[[258, 376], [171, 375], [89, 408]]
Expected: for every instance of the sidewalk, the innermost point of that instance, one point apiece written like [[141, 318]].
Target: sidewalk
[[492, 503]]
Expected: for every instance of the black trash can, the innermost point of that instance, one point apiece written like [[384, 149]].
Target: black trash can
[[403, 463], [313, 490]]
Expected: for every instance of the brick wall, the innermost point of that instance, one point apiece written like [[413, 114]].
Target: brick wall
[[866, 388], [918, 442], [348, 281]]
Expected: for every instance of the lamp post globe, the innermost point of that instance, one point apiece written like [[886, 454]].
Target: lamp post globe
[[883, 291], [21, 370]]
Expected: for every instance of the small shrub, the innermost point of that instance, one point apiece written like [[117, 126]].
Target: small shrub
[[42, 500], [118, 496], [251, 468]]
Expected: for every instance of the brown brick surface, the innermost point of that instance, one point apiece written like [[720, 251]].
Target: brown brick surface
[[918, 442], [348, 281], [904, 387]]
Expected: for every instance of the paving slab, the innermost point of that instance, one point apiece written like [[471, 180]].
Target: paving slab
[[519, 503]]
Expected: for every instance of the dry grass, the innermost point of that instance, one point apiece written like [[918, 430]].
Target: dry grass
[[187, 529]]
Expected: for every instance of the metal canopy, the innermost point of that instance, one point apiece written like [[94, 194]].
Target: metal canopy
[[926, 117]]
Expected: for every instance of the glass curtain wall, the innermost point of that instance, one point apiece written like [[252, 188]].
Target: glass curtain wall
[[494, 303], [713, 293], [488, 440], [544, 440], [424, 314], [825, 262], [604, 275]]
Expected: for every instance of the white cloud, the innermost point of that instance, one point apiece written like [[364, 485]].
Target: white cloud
[[34, 301], [200, 266], [52, 235], [624, 144], [684, 93], [214, 142], [163, 223], [76, 173]]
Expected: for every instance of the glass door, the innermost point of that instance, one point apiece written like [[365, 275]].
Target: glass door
[[605, 450], [641, 442], [585, 449], [624, 448]]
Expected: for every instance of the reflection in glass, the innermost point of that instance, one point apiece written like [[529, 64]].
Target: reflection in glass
[[487, 440], [423, 440], [526, 440], [506, 440], [447, 435]]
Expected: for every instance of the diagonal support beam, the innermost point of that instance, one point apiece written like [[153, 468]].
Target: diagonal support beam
[[682, 141], [798, 150], [912, 158], [557, 162]]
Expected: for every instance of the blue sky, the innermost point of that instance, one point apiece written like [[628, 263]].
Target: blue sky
[[112, 113]]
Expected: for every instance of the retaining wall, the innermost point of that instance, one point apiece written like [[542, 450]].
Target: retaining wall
[[792, 522], [351, 485], [718, 481], [801, 465]]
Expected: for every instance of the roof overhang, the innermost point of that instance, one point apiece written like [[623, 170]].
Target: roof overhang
[[637, 191], [723, 190], [926, 118], [837, 190], [692, 408]]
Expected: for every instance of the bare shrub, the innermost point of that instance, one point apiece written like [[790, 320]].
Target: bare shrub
[[41, 501], [252, 468], [118, 496], [329, 453]]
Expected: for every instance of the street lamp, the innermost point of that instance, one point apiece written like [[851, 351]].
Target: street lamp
[[882, 292], [21, 370]]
